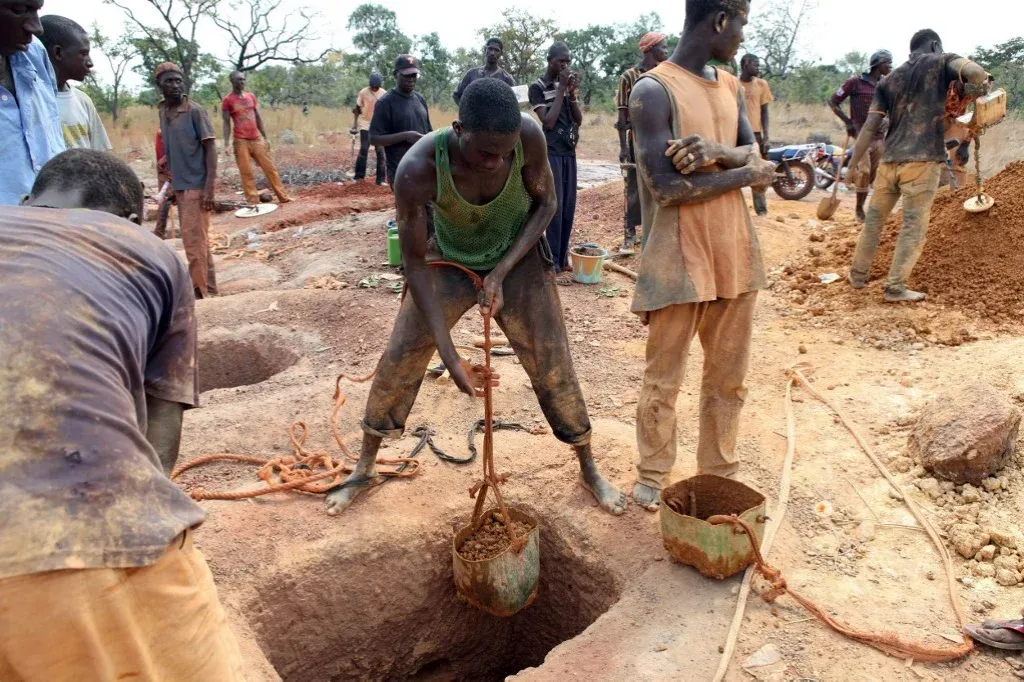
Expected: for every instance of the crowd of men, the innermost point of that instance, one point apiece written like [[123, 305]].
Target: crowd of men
[[99, 578]]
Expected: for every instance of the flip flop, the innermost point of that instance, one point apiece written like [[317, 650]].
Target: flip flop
[[997, 638]]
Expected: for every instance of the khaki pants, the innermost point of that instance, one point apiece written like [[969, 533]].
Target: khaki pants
[[247, 151], [867, 171], [916, 183], [724, 327], [194, 222], [159, 622]]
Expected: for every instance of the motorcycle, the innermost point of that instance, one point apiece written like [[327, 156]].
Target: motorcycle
[[795, 169], [827, 166]]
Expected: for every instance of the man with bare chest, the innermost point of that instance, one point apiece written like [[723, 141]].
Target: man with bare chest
[[490, 186]]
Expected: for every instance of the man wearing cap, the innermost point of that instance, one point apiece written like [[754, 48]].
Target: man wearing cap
[[654, 48], [191, 151], [758, 95], [860, 90], [400, 118], [29, 118], [366, 102], [553, 98], [250, 142], [492, 55]]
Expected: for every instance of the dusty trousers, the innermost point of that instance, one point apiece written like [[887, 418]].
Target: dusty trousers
[[916, 183], [158, 622], [194, 222], [531, 319], [247, 151], [724, 327]]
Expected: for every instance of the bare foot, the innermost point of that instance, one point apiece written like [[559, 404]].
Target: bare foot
[[647, 497], [339, 499], [608, 496], [285, 200]]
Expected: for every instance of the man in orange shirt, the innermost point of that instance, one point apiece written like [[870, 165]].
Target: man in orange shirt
[[702, 264], [758, 96], [241, 108], [366, 102]]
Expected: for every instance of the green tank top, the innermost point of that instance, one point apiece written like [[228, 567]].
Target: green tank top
[[478, 236]]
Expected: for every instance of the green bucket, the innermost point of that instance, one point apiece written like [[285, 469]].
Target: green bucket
[[394, 247], [505, 584]]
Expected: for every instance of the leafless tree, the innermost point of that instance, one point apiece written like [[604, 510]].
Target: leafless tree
[[776, 33], [120, 54], [263, 32]]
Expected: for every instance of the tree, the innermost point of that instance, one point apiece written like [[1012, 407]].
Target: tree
[[377, 36], [264, 35], [624, 52], [588, 46], [158, 47], [437, 72], [526, 39], [776, 34], [120, 54], [173, 38], [1006, 63]]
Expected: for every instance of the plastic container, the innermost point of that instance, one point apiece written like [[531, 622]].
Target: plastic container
[[587, 269], [716, 551], [394, 247], [503, 585]]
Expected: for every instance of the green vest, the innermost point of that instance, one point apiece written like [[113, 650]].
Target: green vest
[[477, 236]]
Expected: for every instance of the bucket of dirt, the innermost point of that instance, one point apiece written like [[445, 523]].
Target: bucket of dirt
[[587, 263], [489, 573], [717, 551]]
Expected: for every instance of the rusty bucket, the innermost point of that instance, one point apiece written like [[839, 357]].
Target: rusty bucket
[[503, 585], [716, 551]]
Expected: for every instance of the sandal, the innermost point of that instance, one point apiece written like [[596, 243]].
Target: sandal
[[1005, 635]]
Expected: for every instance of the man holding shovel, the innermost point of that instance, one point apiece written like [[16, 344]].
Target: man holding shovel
[[860, 90]]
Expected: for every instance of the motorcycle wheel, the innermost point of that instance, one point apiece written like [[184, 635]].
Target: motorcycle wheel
[[801, 184], [827, 165]]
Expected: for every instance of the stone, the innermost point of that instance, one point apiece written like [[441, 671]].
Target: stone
[[930, 487], [1003, 538], [903, 464], [1008, 563], [992, 484], [970, 494], [1007, 578], [986, 553], [968, 539], [985, 571], [766, 655], [966, 434], [866, 531]]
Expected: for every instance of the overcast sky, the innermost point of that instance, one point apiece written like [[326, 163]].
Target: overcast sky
[[836, 28]]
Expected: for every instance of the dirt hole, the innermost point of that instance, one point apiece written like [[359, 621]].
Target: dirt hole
[[243, 357], [392, 613]]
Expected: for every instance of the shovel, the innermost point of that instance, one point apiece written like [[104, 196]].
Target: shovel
[[827, 207]]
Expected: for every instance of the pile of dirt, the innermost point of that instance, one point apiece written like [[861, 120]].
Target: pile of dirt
[[348, 190], [334, 200], [599, 214], [490, 539]]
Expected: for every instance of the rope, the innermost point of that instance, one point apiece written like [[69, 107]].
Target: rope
[[886, 642]]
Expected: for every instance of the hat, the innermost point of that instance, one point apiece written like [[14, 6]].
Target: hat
[[376, 80], [650, 41], [164, 68], [879, 57], [406, 65]]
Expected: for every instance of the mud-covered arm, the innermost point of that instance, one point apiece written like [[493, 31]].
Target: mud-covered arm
[[651, 114], [226, 118], [163, 429]]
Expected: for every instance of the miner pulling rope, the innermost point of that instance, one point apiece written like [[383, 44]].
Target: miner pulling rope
[[488, 179]]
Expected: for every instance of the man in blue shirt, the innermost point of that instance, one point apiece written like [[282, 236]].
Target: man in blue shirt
[[29, 119]]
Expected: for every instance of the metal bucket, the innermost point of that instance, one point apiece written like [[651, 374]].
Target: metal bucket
[[716, 551], [587, 269], [503, 585]]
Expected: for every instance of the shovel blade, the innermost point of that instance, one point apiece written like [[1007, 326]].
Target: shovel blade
[[827, 208]]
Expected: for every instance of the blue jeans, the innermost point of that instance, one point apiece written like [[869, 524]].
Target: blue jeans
[[563, 168]]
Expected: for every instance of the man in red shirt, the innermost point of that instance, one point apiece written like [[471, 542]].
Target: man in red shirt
[[240, 106], [860, 90]]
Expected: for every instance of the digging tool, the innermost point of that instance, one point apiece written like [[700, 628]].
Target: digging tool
[[988, 111], [950, 146], [827, 207]]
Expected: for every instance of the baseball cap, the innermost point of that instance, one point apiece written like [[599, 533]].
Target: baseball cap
[[376, 80], [406, 65]]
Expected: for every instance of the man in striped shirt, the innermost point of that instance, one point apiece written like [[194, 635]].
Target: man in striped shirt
[[654, 47]]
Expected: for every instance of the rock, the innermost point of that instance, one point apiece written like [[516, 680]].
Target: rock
[[902, 464], [966, 433], [986, 553], [1003, 538], [968, 539], [766, 655], [1008, 563], [1007, 578], [866, 531], [985, 571], [287, 136], [992, 484], [930, 487], [802, 349], [970, 494]]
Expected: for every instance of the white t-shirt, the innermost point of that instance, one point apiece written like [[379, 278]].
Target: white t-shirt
[[80, 121]]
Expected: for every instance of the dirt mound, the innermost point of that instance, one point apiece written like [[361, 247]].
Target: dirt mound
[[348, 190], [333, 200]]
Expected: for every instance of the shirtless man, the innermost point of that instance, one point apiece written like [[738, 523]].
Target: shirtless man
[[488, 179]]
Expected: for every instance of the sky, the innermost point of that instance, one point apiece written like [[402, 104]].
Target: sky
[[836, 27]]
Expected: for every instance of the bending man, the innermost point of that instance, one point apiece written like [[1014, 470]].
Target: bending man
[[488, 178]]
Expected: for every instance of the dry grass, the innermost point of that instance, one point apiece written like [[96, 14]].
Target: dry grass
[[132, 137]]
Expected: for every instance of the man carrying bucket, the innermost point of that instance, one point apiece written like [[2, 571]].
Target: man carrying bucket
[[488, 180], [702, 266]]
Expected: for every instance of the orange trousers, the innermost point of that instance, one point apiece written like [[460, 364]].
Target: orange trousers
[[194, 221], [247, 151], [159, 622]]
